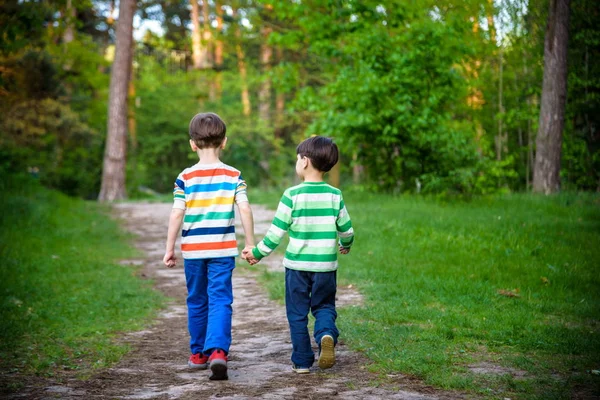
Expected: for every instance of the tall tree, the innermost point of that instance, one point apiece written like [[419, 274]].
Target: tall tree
[[115, 152], [546, 174], [243, 71], [197, 60]]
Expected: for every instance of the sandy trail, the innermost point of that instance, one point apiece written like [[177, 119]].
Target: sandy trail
[[259, 359]]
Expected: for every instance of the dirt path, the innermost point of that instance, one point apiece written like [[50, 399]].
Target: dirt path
[[259, 366]]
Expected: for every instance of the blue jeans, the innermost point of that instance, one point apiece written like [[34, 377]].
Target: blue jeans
[[314, 292], [210, 295]]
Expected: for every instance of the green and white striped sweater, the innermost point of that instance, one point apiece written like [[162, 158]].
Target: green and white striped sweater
[[315, 216]]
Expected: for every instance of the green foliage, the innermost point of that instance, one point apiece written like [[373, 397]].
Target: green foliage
[[50, 137], [21, 24], [581, 148], [419, 94], [164, 151], [509, 281], [62, 294]]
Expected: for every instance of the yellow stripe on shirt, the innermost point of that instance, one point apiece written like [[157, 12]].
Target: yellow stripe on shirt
[[209, 202]]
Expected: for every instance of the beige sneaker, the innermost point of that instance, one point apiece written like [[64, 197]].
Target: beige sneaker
[[300, 370], [327, 355]]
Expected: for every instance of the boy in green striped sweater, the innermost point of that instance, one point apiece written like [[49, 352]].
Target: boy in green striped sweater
[[314, 215]]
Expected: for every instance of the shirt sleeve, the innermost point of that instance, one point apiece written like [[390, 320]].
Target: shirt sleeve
[[240, 191], [280, 225], [179, 193], [344, 226]]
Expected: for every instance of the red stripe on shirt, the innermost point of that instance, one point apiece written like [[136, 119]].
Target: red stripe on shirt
[[209, 246], [210, 172]]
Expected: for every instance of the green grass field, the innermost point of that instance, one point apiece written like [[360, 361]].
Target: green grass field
[[508, 282], [63, 295]]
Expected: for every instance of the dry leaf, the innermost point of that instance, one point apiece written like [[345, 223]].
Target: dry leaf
[[509, 293]]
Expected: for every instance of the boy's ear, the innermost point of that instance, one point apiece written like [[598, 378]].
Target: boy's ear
[[223, 143], [193, 145], [306, 162]]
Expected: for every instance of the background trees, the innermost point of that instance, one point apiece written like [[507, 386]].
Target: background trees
[[431, 96]]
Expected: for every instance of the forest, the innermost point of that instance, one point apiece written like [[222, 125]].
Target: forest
[[439, 97]]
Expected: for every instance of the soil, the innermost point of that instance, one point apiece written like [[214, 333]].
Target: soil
[[259, 358]]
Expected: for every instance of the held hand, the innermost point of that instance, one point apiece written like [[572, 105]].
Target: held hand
[[169, 259], [248, 256], [251, 260], [344, 250], [247, 251]]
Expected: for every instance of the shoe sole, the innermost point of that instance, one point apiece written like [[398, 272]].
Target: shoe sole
[[327, 357], [301, 371], [219, 370], [197, 366]]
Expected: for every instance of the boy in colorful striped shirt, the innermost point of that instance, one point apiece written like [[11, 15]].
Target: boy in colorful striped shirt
[[204, 198], [315, 217]]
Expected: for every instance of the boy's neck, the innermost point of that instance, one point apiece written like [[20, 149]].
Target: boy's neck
[[312, 175], [209, 155]]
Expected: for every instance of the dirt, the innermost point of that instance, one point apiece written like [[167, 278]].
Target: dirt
[[259, 358]]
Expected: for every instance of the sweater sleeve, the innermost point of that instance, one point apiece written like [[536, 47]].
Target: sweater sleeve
[[344, 226], [280, 225]]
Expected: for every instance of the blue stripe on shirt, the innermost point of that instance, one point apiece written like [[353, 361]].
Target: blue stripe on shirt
[[210, 187], [209, 231], [180, 183]]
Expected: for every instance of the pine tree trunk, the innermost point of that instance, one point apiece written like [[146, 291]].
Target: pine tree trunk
[[70, 17], [217, 83], [546, 173], [115, 152], [245, 94], [197, 59], [264, 95], [279, 103], [206, 35]]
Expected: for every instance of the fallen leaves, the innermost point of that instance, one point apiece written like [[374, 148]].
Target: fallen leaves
[[509, 292]]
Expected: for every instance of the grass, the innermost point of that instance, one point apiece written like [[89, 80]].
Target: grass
[[511, 282], [63, 295]]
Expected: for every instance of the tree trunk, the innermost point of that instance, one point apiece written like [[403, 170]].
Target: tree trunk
[[113, 172], [500, 135], [245, 94], [490, 21], [546, 173], [197, 60], [217, 83], [70, 18], [264, 95], [206, 35], [279, 102]]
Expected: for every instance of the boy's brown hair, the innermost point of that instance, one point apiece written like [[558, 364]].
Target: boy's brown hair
[[207, 130], [321, 151]]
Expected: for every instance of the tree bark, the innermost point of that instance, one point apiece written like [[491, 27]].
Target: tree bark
[[197, 54], [70, 18], [217, 83], [206, 35], [264, 95], [279, 102], [546, 173], [245, 94], [219, 42], [115, 152]]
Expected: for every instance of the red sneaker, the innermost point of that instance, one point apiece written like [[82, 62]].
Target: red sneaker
[[218, 365], [198, 361]]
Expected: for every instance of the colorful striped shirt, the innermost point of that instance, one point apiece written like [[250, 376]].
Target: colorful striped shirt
[[207, 193], [316, 219]]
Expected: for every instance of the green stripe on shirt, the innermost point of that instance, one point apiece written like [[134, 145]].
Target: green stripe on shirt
[[309, 249]]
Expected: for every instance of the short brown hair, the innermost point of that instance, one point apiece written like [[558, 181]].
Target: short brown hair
[[207, 130], [321, 151]]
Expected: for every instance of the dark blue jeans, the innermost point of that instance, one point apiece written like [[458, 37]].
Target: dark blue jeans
[[314, 292], [210, 295]]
